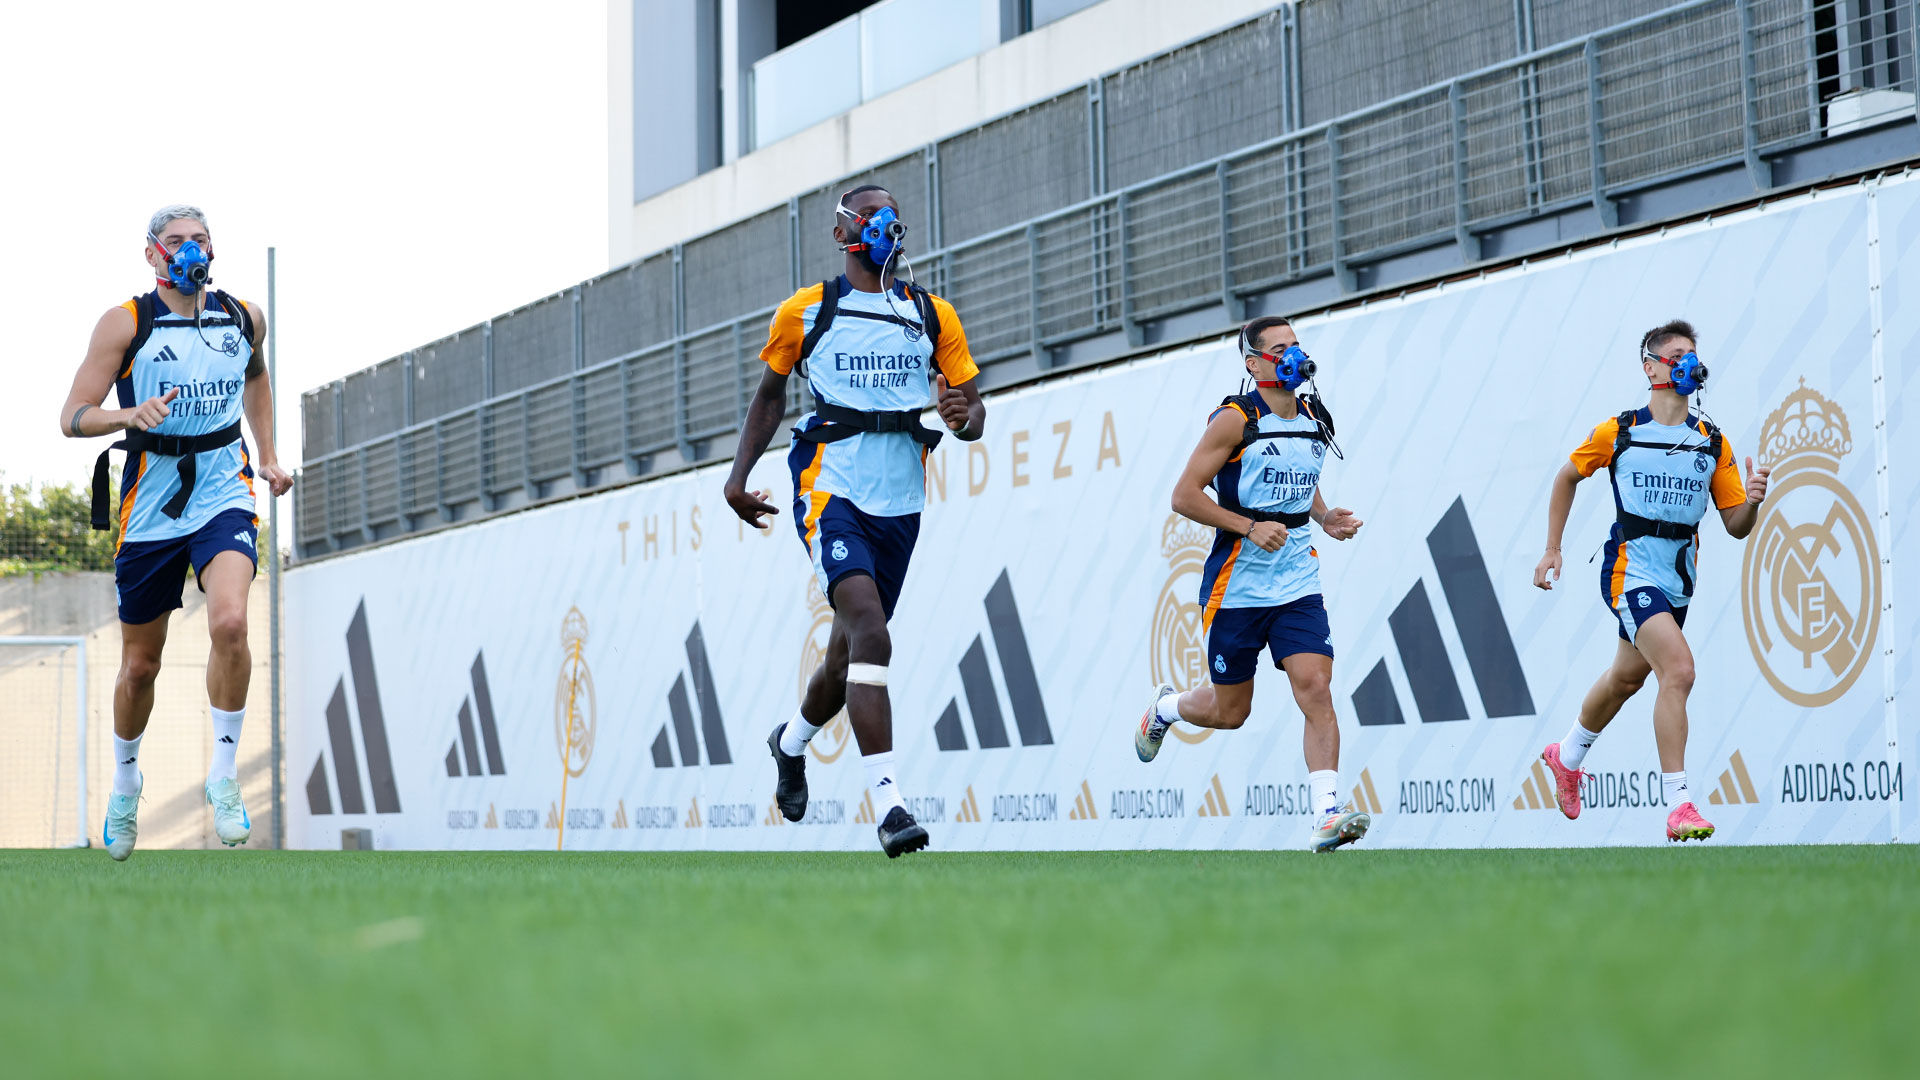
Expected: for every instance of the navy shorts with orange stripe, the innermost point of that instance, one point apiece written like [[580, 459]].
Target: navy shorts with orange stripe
[[847, 541], [1237, 635], [150, 576]]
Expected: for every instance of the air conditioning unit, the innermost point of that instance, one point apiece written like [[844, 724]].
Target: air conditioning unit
[[1856, 110]]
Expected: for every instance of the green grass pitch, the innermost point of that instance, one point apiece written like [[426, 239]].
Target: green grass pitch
[[1694, 962]]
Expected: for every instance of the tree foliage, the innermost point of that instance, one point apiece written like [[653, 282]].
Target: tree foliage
[[46, 527]]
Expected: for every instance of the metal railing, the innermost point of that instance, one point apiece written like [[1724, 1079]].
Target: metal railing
[[1697, 87]]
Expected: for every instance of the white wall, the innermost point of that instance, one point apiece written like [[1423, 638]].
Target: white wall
[[1025, 70]]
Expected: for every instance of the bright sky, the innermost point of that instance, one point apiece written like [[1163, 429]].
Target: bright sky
[[421, 165]]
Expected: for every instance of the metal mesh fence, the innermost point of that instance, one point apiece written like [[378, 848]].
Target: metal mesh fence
[[1555, 21], [419, 465], [317, 434], [1396, 174], [460, 458], [1173, 245], [989, 281], [712, 377], [600, 435], [1018, 167], [1077, 291], [741, 267], [1664, 94], [628, 309], [373, 401], [1280, 212], [449, 374], [1356, 53], [1196, 103], [650, 399], [533, 344]]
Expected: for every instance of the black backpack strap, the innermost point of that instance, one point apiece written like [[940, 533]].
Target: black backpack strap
[[142, 329], [929, 315], [1317, 410], [822, 319], [1251, 432], [1622, 438], [239, 312]]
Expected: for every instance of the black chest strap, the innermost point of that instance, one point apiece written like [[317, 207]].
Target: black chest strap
[[844, 423], [185, 447]]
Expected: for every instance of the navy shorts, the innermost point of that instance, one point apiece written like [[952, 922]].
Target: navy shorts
[[1237, 635], [151, 575], [1636, 606], [845, 540]]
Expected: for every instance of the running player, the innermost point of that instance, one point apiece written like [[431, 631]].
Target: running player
[[1666, 463], [876, 352], [186, 362], [1262, 453]]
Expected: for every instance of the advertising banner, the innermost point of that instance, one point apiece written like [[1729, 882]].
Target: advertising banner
[[603, 673]]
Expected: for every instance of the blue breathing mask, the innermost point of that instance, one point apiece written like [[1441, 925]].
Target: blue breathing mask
[[189, 268], [879, 236], [1291, 368], [1688, 374]]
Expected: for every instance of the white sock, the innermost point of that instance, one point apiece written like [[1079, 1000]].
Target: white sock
[[886, 793], [226, 743], [1673, 785], [1573, 748], [1325, 785], [126, 765], [795, 736], [1168, 708]]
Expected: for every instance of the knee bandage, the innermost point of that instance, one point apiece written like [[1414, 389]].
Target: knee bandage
[[867, 674]]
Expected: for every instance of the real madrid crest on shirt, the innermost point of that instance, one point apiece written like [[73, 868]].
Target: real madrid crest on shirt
[[1810, 580]]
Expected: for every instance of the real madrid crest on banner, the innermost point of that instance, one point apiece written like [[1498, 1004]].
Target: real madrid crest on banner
[[1810, 587], [1178, 649], [573, 712], [833, 738]]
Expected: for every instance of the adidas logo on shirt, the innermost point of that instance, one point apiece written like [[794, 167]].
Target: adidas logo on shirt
[[166, 356]]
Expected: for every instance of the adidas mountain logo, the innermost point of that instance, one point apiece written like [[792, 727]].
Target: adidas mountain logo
[[1365, 798], [983, 696], [712, 728], [1214, 802], [1736, 787], [340, 736], [480, 706], [1484, 638]]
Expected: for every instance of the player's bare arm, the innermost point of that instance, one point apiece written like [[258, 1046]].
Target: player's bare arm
[[1190, 497], [768, 408], [1559, 505], [1337, 522], [257, 400], [960, 408], [1740, 519], [81, 416]]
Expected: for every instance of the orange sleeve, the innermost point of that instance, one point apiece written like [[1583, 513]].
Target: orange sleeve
[[789, 326], [1728, 489], [1593, 455], [951, 354]]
